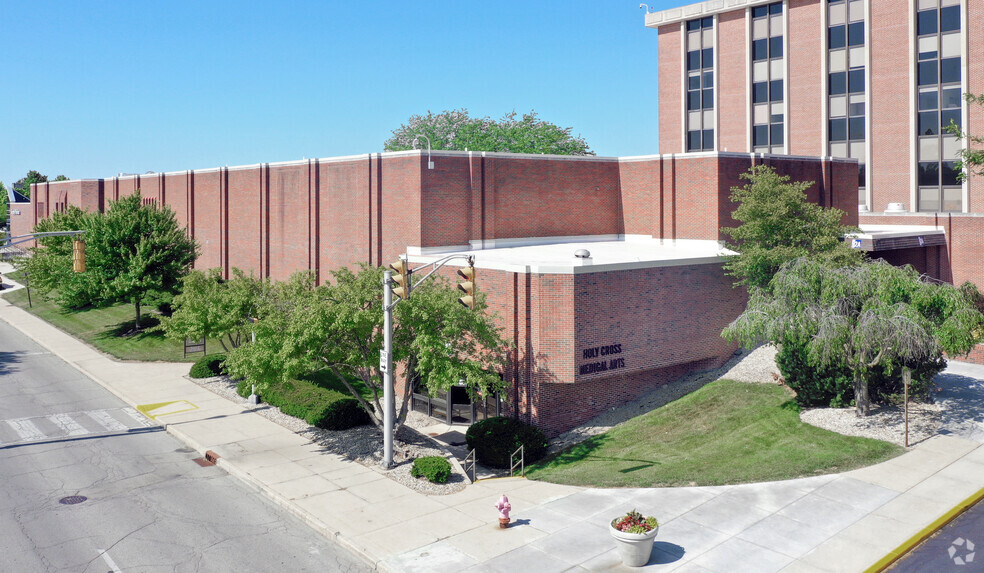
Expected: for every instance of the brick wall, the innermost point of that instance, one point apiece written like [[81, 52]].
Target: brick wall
[[732, 82], [670, 88], [806, 84]]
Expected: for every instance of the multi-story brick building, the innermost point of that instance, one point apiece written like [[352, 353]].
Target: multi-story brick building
[[873, 80], [645, 305]]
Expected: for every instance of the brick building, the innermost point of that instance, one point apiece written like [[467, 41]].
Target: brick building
[[647, 304], [874, 80]]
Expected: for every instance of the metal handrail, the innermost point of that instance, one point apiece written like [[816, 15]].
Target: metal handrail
[[470, 461], [522, 462]]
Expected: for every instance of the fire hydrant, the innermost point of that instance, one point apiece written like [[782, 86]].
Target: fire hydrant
[[503, 506]]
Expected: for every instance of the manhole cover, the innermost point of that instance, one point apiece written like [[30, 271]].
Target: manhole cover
[[72, 499]]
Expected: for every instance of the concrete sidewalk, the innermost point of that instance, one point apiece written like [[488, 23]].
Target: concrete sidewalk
[[842, 522]]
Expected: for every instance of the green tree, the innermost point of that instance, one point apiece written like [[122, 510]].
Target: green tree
[[456, 130], [4, 205], [972, 155], [338, 327], [209, 306], [779, 224], [862, 317], [23, 185], [132, 250]]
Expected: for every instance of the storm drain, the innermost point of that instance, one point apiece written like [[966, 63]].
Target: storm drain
[[72, 499]]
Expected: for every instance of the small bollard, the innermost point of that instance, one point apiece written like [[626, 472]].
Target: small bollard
[[253, 398], [503, 506]]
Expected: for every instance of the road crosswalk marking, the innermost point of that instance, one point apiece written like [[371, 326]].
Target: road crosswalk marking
[[72, 425], [68, 425]]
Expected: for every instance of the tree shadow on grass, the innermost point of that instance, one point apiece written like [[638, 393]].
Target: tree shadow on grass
[[127, 330], [586, 451]]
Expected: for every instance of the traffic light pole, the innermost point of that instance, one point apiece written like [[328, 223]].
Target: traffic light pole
[[386, 365], [386, 355]]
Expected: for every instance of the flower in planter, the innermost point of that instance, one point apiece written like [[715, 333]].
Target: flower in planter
[[634, 522]]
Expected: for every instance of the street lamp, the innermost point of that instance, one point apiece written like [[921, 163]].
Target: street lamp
[[430, 164]]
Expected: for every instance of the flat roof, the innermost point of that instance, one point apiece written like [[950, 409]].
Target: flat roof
[[627, 253], [698, 10], [894, 237]]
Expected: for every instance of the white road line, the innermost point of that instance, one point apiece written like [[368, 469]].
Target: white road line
[[68, 425], [140, 418], [26, 429], [109, 561], [103, 418]]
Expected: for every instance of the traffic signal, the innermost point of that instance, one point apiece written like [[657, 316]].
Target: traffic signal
[[401, 279], [78, 256], [467, 286]]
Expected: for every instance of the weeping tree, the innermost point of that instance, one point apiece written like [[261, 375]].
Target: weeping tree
[[212, 307], [861, 317], [304, 328]]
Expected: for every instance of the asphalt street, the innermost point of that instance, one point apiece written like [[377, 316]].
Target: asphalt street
[[957, 547], [90, 485]]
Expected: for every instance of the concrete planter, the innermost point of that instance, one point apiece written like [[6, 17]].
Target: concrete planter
[[634, 548]]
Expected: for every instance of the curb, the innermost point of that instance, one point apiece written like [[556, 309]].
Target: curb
[[941, 522]]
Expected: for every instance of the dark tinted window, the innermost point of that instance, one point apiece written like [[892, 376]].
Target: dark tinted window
[[928, 100], [950, 173], [760, 135], [707, 99], [707, 57], [760, 92], [775, 8], [775, 47], [775, 132], [950, 19], [838, 130], [838, 83], [928, 55], [708, 137], [927, 73], [929, 173], [929, 123], [707, 22], [693, 83], [693, 141], [950, 115], [693, 25], [760, 11], [951, 98], [693, 60], [775, 90], [760, 49], [836, 37], [926, 22], [855, 34], [693, 100], [949, 70], [861, 174], [856, 128], [855, 81], [708, 79]]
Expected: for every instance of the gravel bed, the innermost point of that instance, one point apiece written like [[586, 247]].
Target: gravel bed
[[362, 444]]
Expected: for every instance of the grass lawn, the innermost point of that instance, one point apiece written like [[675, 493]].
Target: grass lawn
[[102, 327], [725, 433]]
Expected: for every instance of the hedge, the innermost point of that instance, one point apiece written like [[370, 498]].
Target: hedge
[[495, 439], [208, 366], [435, 468], [322, 407]]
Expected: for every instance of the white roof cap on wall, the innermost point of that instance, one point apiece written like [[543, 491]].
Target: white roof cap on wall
[[626, 253], [698, 10]]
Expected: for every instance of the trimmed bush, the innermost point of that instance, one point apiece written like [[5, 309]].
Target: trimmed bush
[[208, 366], [321, 407], [435, 468], [495, 439]]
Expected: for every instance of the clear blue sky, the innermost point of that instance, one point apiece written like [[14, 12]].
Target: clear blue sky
[[93, 88]]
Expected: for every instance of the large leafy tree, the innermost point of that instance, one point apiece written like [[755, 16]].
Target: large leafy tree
[[862, 317], [779, 224], [132, 250], [212, 307], [304, 328], [456, 130], [23, 185]]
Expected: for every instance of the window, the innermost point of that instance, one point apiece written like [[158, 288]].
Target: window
[[938, 29], [700, 84], [768, 75], [846, 84]]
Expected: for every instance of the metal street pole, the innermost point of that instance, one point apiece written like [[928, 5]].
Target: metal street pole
[[386, 365]]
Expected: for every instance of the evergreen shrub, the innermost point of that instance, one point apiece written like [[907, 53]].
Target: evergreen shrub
[[208, 366], [495, 439], [435, 468]]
